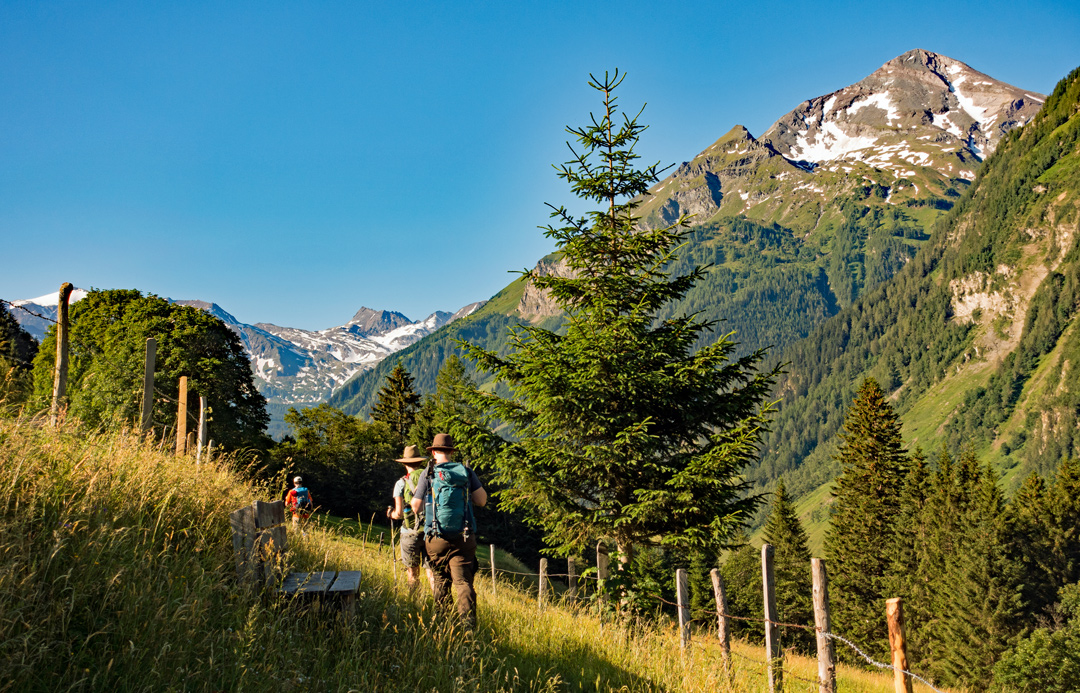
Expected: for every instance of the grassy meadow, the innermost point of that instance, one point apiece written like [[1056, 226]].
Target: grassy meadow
[[116, 573]]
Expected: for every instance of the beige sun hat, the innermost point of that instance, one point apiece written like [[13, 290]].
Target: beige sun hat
[[410, 455]]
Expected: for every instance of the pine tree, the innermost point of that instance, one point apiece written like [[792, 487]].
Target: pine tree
[[865, 512], [791, 567], [908, 576], [397, 405], [620, 427], [981, 603], [702, 599]]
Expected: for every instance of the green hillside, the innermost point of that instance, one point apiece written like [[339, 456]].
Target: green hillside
[[974, 337]]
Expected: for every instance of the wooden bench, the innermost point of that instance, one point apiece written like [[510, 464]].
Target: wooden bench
[[259, 544]]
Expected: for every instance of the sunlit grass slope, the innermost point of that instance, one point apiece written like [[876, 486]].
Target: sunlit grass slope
[[116, 573]]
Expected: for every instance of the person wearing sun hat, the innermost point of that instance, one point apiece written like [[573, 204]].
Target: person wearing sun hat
[[413, 553], [446, 493]]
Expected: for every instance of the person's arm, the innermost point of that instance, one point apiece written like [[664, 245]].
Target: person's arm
[[479, 495], [399, 506]]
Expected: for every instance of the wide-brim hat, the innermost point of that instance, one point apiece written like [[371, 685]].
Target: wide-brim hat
[[443, 441], [410, 455]]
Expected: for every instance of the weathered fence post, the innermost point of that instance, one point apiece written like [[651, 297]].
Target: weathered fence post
[[190, 445], [682, 596], [543, 582], [571, 578], [491, 547], [772, 636], [603, 561], [894, 613], [59, 393], [822, 623], [181, 418], [202, 429], [721, 621], [146, 422]]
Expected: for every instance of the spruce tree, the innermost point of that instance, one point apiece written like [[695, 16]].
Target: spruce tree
[[397, 405], [620, 427], [791, 567], [866, 508]]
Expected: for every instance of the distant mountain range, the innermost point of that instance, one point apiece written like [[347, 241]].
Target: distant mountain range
[[294, 367]]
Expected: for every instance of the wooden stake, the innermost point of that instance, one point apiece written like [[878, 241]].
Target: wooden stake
[[682, 596], [823, 623], [181, 418], [491, 547], [571, 578], [603, 562], [190, 445], [202, 429], [146, 423], [543, 582], [773, 653], [721, 621], [61, 370], [894, 614]]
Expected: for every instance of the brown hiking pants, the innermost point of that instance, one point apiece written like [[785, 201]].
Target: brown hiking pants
[[454, 560]]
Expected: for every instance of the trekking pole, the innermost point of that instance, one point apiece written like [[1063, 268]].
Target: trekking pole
[[393, 554]]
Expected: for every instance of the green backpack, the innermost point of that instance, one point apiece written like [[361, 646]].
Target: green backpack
[[410, 519]]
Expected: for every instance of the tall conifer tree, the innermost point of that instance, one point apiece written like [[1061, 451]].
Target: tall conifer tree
[[865, 513], [622, 428], [397, 404]]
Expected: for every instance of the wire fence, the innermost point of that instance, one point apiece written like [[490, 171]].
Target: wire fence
[[711, 620]]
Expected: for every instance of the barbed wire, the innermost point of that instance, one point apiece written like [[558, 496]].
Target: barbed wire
[[880, 665], [27, 310]]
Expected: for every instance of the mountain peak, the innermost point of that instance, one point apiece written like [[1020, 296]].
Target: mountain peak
[[369, 321]]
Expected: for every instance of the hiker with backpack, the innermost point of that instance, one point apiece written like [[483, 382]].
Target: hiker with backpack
[[413, 553], [446, 493], [298, 500]]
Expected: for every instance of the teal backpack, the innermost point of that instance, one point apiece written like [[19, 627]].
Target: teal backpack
[[411, 520], [303, 498], [448, 509]]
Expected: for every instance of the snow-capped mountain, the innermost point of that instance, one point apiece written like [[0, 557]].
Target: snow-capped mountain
[[916, 108], [915, 131], [302, 367]]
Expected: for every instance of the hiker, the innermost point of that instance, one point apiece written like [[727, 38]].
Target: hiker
[[413, 553], [298, 500], [447, 491]]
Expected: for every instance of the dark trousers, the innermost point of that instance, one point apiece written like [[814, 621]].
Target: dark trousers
[[454, 560]]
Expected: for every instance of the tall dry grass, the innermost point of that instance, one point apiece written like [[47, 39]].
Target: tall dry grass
[[116, 573]]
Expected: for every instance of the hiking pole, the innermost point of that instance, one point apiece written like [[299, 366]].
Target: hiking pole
[[393, 554]]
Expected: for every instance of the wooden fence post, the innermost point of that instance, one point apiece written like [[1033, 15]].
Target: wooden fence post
[[682, 596], [146, 422], [823, 624], [571, 578], [202, 430], [543, 582], [491, 547], [181, 418], [721, 621], [772, 636], [61, 370], [603, 562], [894, 614]]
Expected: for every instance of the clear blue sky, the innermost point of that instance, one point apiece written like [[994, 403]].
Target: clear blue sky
[[294, 161]]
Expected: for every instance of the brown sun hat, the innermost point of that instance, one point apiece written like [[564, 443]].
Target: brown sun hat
[[443, 441], [410, 455]]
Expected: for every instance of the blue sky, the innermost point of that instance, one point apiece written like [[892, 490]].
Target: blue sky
[[294, 161]]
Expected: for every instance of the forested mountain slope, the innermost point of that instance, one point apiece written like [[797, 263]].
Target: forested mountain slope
[[835, 198], [975, 338]]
